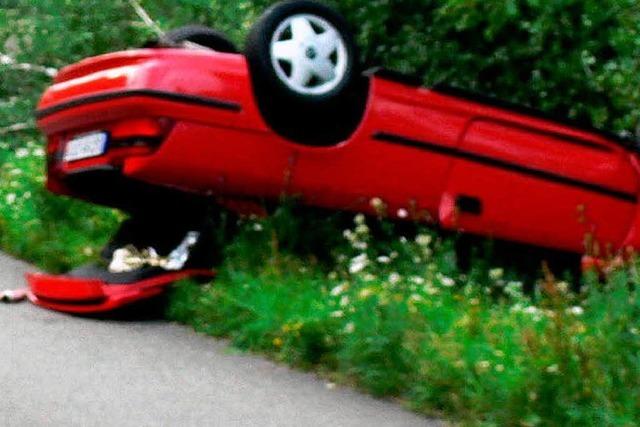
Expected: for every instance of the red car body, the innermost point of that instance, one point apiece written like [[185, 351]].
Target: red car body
[[438, 154], [89, 296]]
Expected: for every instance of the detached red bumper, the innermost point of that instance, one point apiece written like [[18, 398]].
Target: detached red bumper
[[85, 296]]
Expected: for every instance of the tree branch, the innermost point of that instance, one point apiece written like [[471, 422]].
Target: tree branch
[[18, 127], [145, 17], [10, 62]]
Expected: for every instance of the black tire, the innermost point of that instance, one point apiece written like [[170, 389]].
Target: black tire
[[198, 34], [324, 118]]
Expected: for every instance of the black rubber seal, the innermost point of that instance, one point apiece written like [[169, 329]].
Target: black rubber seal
[[146, 93], [505, 165]]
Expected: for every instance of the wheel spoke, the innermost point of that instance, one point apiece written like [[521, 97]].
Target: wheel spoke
[[301, 74], [324, 69], [285, 50], [327, 43], [301, 29]]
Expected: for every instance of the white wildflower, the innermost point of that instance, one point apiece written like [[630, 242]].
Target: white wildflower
[[337, 314], [349, 328], [563, 287], [339, 289], [402, 213], [344, 301], [431, 290], [377, 203], [553, 369], [423, 240], [365, 293], [416, 298], [417, 280], [394, 278], [257, 226], [513, 289], [383, 259], [496, 273], [11, 198], [358, 264], [499, 368], [361, 246], [576, 310], [535, 313], [362, 229], [447, 281], [21, 153], [359, 219], [516, 308], [483, 365]]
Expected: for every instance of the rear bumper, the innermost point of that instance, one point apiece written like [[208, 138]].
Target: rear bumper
[[150, 81]]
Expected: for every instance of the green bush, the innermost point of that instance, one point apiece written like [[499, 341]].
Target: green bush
[[574, 58], [570, 57]]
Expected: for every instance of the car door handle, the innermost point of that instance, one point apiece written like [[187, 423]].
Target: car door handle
[[469, 204]]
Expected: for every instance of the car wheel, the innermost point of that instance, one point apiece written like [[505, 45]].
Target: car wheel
[[305, 72], [196, 36]]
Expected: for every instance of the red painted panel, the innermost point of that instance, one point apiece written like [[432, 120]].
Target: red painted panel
[[349, 175], [534, 209], [226, 161], [533, 149]]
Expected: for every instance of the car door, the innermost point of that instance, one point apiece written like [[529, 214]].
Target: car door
[[544, 185]]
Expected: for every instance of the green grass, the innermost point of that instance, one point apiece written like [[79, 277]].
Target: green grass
[[53, 232], [395, 317]]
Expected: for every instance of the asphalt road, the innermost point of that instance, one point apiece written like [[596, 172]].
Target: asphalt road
[[68, 371]]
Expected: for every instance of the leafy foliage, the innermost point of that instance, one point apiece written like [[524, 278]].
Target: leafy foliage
[[570, 57]]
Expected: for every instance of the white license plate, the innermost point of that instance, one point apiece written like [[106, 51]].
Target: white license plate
[[86, 146]]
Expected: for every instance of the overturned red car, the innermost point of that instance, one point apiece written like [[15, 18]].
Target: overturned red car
[[189, 118]]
